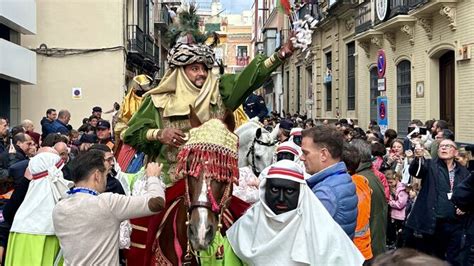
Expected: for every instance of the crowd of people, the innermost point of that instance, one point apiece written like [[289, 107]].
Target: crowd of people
[[385, 192], [336, 193]]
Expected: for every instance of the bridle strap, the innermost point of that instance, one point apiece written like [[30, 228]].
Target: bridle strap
[[252, 153]]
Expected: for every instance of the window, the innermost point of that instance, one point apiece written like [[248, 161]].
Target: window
[[374, 93], [350, 76], [242, 51], [328, 81], [309, 79], [298, 88], [403, 96], [141, 14]]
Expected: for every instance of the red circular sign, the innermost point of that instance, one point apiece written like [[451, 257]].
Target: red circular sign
[[381, 63]]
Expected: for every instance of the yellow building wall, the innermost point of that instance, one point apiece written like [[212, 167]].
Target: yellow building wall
[[101, 76], [424, 55]]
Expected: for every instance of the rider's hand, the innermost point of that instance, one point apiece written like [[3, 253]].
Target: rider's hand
[[172, 136], [287, 49], [153, 169]]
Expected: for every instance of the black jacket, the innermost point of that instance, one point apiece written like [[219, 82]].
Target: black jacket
[[463, 198], [422, 218], [7, 160]]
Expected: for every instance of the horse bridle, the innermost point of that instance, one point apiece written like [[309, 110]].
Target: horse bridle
[[216, 208], [252, 152]]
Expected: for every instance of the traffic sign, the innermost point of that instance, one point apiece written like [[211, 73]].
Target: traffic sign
[[382, 113], [381, 63]]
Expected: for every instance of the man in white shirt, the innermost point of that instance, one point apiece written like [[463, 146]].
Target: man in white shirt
[[87, 223]]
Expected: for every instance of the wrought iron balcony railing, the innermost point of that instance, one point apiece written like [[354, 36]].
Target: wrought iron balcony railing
[[363, 19]]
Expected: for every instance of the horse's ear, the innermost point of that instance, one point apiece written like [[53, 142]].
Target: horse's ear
[[193, 118], [258, 134], [229, 120]]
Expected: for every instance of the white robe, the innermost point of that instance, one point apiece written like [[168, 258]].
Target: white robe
[[306, 235]]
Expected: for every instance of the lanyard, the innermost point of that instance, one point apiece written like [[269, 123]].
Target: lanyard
[[451, 179], [82, 190]]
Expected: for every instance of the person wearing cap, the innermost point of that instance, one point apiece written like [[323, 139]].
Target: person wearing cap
[[255, 106], [32, 239], [289, 225], [97, 112], [284, 130], [161, 124], [103, 134]]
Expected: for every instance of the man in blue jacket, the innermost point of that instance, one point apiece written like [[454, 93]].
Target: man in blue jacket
[[61, 124], [322, 149]]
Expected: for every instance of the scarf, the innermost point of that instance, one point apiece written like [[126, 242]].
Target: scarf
[[176, 92], [306, 235]]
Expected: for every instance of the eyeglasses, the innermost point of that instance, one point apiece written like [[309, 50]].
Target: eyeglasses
[[447, 146]]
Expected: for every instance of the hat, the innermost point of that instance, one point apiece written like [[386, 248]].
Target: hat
[[286, 124], [286, 169], [215, 152], [103, 124], [288, 146], [97, 109], [296, 131]]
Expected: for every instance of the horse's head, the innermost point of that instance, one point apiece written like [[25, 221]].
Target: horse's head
[[261, 151], [208, 162]]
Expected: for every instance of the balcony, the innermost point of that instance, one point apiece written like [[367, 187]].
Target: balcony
[[363, 19], [425, 9], [396, 8], [242, 60], [143, 53], [416, 3], [337, 7], [162, 18], [136, 40]]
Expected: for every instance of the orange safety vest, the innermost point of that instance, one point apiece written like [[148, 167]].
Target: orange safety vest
[[362, 238]]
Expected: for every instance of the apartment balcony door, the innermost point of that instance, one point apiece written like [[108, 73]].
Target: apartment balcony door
[[446, 88]]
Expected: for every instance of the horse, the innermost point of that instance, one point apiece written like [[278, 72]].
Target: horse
[[190, 221], [256, 146]]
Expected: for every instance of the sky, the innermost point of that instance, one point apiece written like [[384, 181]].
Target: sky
[[230, 6], [236, 6]]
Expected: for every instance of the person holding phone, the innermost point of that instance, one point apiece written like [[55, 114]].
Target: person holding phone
[[434, 217]]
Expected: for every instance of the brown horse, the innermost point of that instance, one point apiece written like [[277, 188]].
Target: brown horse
[[190, 222]]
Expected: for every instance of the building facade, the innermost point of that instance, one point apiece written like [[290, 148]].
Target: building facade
[[87, 52], [17, 64], [428, 67], [429, 70]]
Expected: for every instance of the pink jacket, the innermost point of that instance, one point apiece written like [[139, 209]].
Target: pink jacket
[[398, 203], [384, 181]]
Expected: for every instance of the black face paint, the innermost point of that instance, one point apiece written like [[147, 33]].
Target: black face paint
[[297, 140], [281, 195], [285, 156]]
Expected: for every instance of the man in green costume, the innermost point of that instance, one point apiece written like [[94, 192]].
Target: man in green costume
[[161, 124]]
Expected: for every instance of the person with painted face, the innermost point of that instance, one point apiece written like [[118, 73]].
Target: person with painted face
[[289, 225], [295, 136]]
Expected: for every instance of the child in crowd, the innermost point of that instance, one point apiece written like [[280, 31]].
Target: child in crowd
[[398, 202]]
